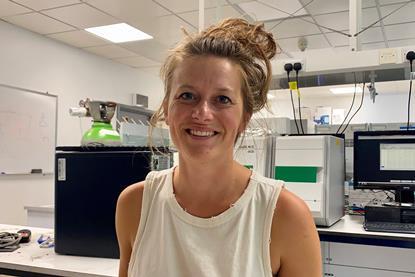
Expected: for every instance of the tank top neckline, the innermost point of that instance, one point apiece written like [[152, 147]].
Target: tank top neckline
[[215, 220]]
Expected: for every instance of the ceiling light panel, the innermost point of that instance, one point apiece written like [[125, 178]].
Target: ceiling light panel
[[81, 16], [8, 8], [46, 4], [39, 23], [118, 33]]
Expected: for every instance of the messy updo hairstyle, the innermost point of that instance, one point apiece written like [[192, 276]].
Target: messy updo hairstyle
[[247, 45]]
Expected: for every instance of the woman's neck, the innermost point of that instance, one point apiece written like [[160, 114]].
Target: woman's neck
[[208, 189]]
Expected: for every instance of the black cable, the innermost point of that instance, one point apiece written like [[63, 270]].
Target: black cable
[[361, 103], [299, 102], [292, 103], [409, 98], [351, 106]]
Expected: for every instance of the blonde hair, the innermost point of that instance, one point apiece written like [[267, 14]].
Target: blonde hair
[[247, 45]]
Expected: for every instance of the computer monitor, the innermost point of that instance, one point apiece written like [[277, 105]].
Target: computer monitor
[[385, 160]]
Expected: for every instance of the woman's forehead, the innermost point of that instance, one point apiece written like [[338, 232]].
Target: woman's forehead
[[207, 70]]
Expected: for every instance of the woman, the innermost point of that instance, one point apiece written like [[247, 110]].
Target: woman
[[210, 216]]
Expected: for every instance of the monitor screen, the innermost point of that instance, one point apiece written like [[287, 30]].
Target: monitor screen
[[384, 160]]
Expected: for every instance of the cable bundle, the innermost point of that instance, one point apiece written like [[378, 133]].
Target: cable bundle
[[9, 240]]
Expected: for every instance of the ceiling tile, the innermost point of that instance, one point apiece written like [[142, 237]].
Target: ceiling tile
[[371, 35], [387, 2], [79, 38], [406, 14], [314, 42], [400, 31], [193, 5], [370, 46], [153, 70], [38, 23], [369, 16], [368, 3], [127, 9], [324, 6], [288, 6], [81, 16], [167, 29], [267, 10], [336, 21], [38, 5], [293, 28], [151, 49], [110, 51], [8, 8], [401, 43], [212, 15], [337, 39], [138, 61]]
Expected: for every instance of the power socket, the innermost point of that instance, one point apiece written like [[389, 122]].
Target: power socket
[[404, 52], [293, 61]]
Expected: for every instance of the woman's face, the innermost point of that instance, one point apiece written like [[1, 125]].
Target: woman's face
[[205, 109]]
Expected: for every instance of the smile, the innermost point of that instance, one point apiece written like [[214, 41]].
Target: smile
[[201, 133]]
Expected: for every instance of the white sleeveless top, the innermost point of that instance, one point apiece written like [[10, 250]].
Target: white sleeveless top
[[171, 242]]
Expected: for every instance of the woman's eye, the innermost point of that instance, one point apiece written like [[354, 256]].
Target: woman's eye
[[224, 99], [186, 96]]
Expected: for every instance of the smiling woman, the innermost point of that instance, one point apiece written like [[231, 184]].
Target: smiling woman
[[210, 216]]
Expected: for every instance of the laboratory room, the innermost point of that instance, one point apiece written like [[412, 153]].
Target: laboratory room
[[284, 129]]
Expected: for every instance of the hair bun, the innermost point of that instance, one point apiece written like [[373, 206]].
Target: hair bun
[[252, 37]]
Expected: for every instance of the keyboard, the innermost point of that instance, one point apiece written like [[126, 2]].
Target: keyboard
[[392, 227]]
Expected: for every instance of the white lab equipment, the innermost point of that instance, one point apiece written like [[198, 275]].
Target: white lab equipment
[[252, 151], [133, 134], [313, 169]]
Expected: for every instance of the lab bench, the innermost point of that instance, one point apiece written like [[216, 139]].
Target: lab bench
[[347, 250]]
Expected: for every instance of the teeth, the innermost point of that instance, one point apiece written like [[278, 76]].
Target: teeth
[[201, 133]]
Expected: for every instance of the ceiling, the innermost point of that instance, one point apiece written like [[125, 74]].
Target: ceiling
[[324, 23]]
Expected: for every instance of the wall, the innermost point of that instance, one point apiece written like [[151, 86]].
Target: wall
[[31, 61], [388, 107]]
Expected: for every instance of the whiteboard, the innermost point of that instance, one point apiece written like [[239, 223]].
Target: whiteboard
[[27, 131]]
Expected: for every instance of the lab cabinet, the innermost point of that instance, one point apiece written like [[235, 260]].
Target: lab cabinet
[[359, 260]]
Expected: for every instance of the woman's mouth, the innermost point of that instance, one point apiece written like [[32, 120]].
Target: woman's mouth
[[201, 133]]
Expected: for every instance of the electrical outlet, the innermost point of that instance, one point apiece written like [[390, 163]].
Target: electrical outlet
[[293, 61], [404, 52], [389, 55]]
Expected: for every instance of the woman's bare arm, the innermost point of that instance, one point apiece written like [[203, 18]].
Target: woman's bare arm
[[295, 244], [127, 219]]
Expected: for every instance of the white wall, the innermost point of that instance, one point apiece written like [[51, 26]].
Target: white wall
[[388, 107], [31, 61]]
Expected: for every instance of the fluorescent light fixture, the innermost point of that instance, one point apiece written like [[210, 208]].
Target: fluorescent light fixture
[[120, 32], [345, 90], [270, 96]]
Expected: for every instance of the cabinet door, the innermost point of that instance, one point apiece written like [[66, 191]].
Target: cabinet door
[[369, 256], [347, 271]]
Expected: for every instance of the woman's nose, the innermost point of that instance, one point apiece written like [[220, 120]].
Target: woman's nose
[[202, 111]]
